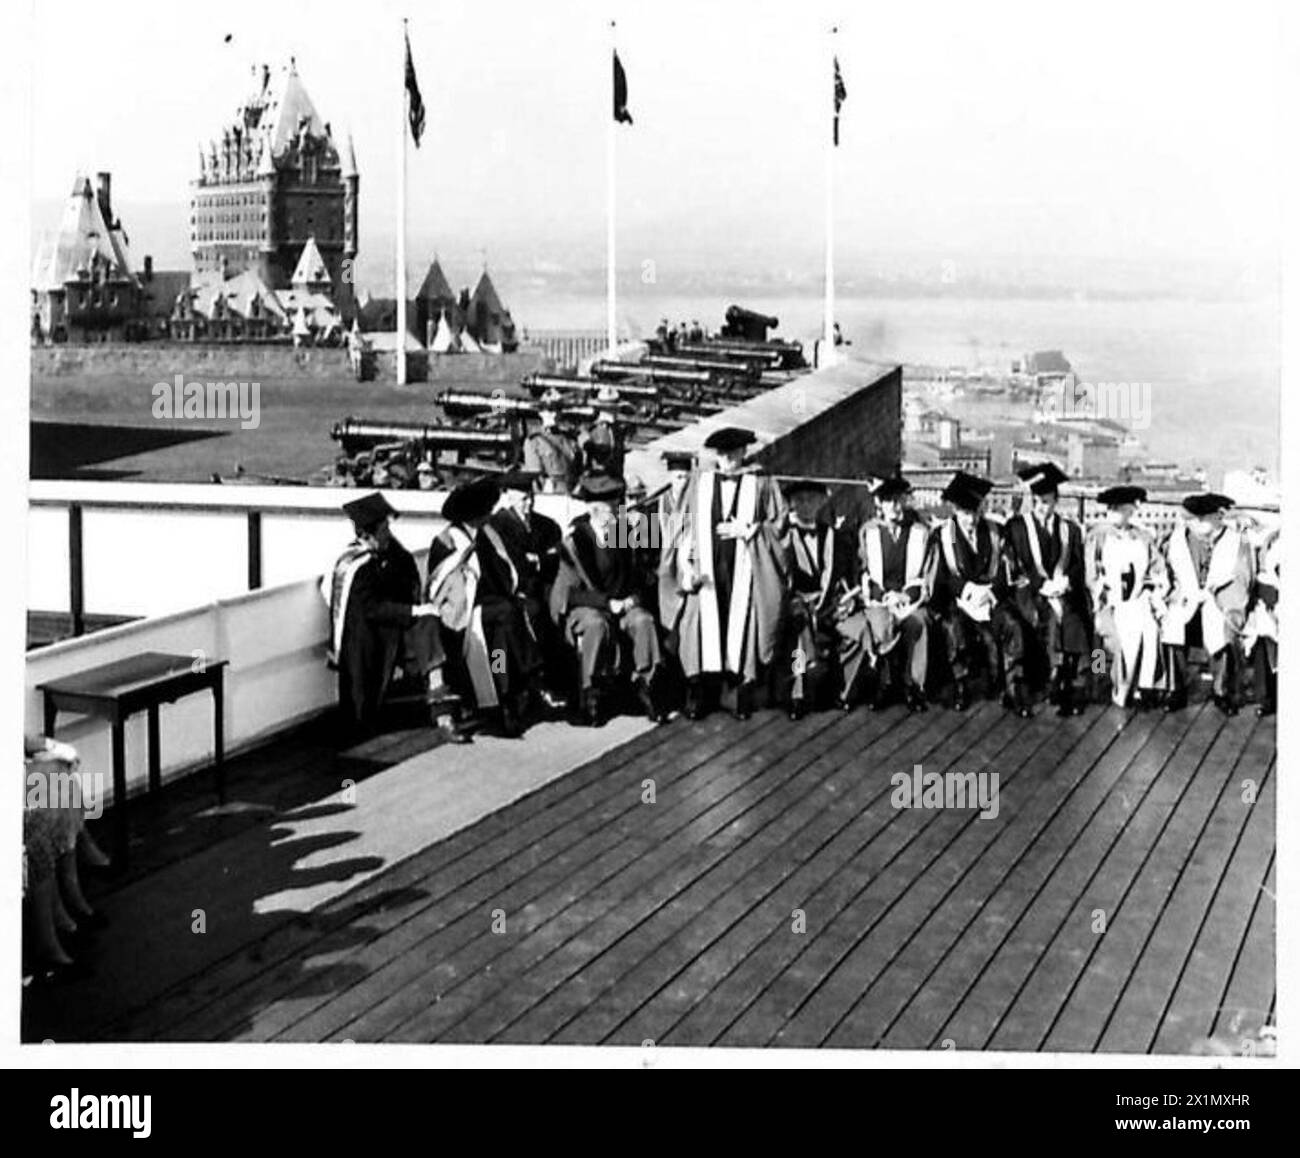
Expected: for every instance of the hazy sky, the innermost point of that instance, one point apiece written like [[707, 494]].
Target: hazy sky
[[1135, 129]]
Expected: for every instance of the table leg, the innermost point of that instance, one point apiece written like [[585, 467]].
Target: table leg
[[51, 715], [122, 826], [219, 731], [155, 755]]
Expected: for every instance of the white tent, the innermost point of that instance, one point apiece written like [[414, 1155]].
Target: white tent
[[444, 341]]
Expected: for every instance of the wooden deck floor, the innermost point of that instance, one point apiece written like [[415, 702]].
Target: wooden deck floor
[[752, 884]]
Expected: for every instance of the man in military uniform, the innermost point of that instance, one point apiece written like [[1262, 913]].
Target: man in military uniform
[[892, 557], [1125, 574], [379, 623], [818, 600], [1046, 555], [551, 452], [970, 584], [603, 443], [1210, 571], [598, 600]]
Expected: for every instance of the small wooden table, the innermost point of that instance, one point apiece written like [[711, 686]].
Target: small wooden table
[[144, 682]]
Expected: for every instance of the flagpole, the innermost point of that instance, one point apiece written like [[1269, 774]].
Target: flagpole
[[611, 323], [828, 330], [401, 215]]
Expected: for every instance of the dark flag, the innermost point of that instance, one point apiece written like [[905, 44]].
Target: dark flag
[[840, 93], [414, 105], [621, 115]]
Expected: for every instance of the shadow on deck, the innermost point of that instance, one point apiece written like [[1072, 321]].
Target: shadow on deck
[[730, 884]]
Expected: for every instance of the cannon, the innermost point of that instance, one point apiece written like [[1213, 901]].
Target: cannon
[[537, 384], [357, 434], [617, 371], [785, 355], [747, 325], [767, 357], [750, 369]]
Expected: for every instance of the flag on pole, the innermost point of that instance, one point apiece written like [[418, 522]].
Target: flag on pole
[[840, 93], [621, 115], [414, 104]]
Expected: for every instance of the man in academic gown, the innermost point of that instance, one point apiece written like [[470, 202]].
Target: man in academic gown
[[598, 600], [1210, 572], [732, 570], [1046, 554], [530, 542], [378, 622], [892, 559], [970, 582], [821, 631], [1260, 636], [1125, 574], [475, 587], [671, 526], [550, 451]]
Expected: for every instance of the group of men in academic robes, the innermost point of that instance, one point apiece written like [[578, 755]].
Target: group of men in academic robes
[[727, 587]]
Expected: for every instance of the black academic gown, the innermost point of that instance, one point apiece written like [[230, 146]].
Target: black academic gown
[[379, 630]]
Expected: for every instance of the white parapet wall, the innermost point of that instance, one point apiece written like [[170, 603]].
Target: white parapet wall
[[274, 641], [154, 548], [177, 556]]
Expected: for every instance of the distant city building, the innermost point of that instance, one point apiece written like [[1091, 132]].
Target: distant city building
[[444, 322], [274, 183], [83, 286]]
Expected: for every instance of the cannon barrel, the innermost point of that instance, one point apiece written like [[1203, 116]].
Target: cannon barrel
[[788, 355], [614, 371], [740, 316], [748, 369], [463, 402], [360, 432], [735, 351], [538, 383]]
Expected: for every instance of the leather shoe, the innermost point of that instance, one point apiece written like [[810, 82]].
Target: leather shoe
[[798, 708]]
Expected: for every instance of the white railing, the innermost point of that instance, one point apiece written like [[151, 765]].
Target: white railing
[[143, 549]]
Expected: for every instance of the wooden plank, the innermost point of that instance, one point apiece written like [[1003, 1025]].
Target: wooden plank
[[1012, 1003], [188, 1011], [1148, 987], [813, 827], [716, 1009], [1132, 885], [885, 919], [756, 941], [917, 992], [666, 847], [1194, 1004], [1253, 984], [887, 894], [428, 880], [403, 978]]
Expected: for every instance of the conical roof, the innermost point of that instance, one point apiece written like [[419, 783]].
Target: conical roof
[[83, 238], [436, 287], [485, 293]]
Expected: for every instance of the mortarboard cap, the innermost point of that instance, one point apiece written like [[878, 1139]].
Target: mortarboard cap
[[471, 501], [730, 438], [966, 490], [1122, 496], [1043, 478], [369, 511], [892, 488], [1198, 506]]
